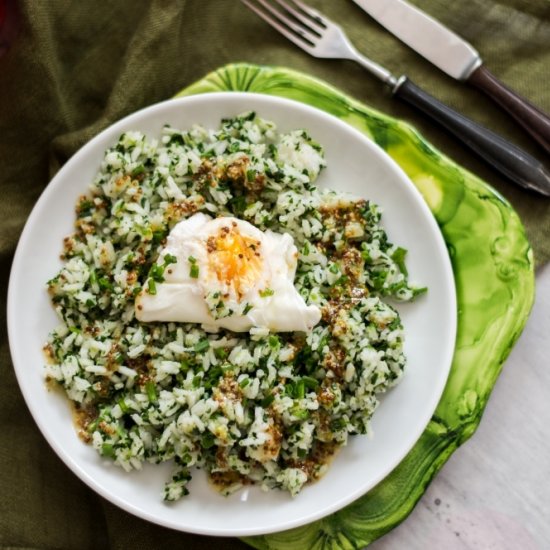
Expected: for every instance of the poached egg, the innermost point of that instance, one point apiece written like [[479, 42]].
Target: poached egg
[[226, 273]]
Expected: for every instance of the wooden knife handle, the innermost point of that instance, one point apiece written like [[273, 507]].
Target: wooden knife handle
[[530, 117], [508, 159]]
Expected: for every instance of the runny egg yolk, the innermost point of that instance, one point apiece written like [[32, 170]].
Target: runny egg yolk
[[234, 258]]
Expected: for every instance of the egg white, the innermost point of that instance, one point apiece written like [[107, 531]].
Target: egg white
[[233, 288]]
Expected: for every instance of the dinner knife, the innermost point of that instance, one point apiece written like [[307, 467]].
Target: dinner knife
[[456, 57]]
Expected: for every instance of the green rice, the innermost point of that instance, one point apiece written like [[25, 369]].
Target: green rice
[[259, 407]]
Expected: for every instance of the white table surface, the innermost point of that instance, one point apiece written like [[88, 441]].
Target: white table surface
[[494, 492]]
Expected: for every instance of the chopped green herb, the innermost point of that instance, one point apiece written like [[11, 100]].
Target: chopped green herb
[[220, 353], [159, 236], [108, 450], [212, 377], [267, 292], [300, 413], [266, 401], [151, 392], [300, 389], [84, 208], [337, 424], [151, 286], [184, 366], [418, 291], [273, 341], [157, 273], [105, 284], [202, 345], [169, 259], [399, 258], [310, 383], [138, 170], [208, 440]]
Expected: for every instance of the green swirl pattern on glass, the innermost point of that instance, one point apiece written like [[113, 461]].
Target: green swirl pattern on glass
[[494, 273]]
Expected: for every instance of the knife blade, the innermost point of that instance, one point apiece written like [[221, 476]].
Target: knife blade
[[456, 57]]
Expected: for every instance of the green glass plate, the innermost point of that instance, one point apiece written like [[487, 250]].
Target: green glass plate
[[494, 273]]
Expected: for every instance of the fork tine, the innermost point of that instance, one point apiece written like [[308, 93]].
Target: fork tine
[[302, 30], [297, 36], [312, 16]]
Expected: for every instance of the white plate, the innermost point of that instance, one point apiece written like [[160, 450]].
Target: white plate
[[355, 164]]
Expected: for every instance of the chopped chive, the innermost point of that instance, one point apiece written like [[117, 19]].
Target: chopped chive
[[334, 268], [107, 450], [399, 258], [123, 407], [151, 286], [104, 283], [207, 441], [300, 413], [159, 236], [337, 424], [289, 389], [169, 259], [267, 292], [202, 345], [266, 401], [75, 330], [151, 392], [92, 426], [194, 271], [246, 309], [184, 366], [220, 353], [84, 208], [192, 260], [300, 390], [310, 383], [244, 382], [157, 273], [419, 291]]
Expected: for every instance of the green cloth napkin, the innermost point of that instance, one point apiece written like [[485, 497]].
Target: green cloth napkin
[[77, 66]]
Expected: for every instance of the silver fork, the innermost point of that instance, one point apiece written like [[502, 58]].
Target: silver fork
[[321, 37]]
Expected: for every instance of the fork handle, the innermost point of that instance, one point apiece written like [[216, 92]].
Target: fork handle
[[513, 162], [527, 115]]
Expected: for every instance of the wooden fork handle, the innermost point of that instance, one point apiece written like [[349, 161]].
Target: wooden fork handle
[[527, 115]]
